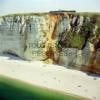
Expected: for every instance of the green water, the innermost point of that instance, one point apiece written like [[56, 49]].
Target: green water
[[11, 89]]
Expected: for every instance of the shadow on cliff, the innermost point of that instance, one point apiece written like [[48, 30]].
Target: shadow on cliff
[[93, 74], [11, 56]]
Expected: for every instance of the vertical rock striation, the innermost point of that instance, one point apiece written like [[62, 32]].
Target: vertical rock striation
[[63, 38]]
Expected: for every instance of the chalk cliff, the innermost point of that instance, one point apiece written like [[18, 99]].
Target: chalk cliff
[[64, 38]]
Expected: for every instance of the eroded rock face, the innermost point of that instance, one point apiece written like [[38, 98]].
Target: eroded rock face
[[36, 37], [10, 38], [61, 38]]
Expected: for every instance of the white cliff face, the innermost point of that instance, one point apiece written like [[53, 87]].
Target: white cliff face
[[68, 57], [24, 36], [75, 57], [36, 37], [63, 25], [10, 37], [84, 55]]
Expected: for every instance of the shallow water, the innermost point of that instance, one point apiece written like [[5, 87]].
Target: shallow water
[[11, 89]]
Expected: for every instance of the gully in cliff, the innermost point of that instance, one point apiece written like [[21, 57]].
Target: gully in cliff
[[94, 61], [95, 57]]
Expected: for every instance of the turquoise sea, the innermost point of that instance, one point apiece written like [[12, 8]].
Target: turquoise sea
[[11, 89]]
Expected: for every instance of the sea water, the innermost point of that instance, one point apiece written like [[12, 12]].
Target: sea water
[[11, 89]]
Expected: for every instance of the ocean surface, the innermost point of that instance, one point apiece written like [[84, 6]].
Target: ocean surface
[[11, 89]]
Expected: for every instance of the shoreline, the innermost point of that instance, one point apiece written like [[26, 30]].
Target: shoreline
[[51, 76], [20, 82]]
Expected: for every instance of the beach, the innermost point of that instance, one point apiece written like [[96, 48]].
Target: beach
[[51, 76]]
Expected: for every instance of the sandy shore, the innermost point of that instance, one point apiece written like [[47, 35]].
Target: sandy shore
[[51, 76]]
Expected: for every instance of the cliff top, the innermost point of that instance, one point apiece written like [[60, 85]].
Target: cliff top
[[55, 12]]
